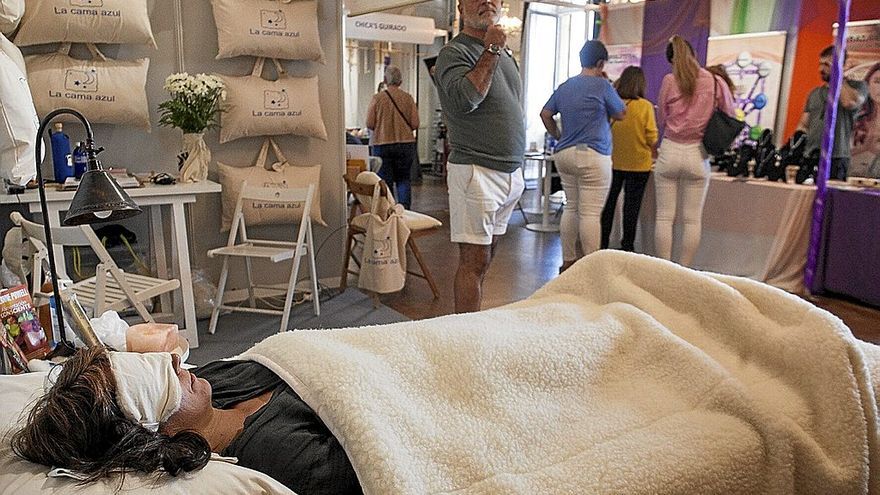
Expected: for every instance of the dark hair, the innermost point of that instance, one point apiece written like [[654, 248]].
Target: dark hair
[[77, 425], [829, 52], [869, 111], [592, 53], [632, 84], [721, 72]]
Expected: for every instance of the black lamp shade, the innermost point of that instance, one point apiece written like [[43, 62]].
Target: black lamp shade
[[99, 199]]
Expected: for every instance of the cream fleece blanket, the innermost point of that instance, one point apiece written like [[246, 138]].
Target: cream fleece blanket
[[626, 374]]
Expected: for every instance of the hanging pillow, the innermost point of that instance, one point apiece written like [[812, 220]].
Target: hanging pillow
[[11, 12], [85, 21], [280, 175], [105, 91], [257, 107], [18, 119], [283, 29]]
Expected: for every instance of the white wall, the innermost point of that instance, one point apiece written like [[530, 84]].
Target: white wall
[[143, 152]]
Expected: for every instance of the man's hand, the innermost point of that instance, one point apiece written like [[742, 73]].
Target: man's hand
[[495, 36]]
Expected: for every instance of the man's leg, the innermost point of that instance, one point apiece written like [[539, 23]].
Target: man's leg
[[473, 263]]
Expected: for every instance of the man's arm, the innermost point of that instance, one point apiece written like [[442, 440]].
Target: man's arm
[[481, 75], [802, 124], [550, 123], [852, 94]]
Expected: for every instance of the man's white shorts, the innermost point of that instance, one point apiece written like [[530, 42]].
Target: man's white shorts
[[481, 201]]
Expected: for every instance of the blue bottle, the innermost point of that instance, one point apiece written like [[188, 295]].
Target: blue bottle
[[62, 160], [80, 160]]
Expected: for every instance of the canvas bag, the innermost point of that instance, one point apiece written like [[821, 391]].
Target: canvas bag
[[282, 29], [85, 21], [106, 91], [383, 269], [281, 175], [11, 12], [258, 107], [18, 118]]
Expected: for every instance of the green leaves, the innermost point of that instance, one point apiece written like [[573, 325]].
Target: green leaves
[[194, 103]]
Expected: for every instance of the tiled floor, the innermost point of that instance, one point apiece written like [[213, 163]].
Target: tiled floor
[[524, 262]]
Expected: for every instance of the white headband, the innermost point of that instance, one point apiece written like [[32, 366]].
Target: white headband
[[147, 388]]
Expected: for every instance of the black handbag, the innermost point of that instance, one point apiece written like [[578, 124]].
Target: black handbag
[[722, 129]]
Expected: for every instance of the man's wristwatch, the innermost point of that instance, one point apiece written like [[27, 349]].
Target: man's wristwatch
[[494, 49]]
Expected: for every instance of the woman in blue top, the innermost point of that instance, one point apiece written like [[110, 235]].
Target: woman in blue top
[[586, 103]]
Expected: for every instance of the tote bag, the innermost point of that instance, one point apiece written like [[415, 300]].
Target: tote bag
[[258, 107], [106, 91], [721, 129], [383, 269], [281, 175], [282, 29]]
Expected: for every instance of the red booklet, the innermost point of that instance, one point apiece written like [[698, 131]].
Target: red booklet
[[21, 323]]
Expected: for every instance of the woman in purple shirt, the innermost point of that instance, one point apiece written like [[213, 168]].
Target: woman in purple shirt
[[687, 99]]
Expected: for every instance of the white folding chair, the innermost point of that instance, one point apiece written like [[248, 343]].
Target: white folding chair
[[110, 289], [240, 245]]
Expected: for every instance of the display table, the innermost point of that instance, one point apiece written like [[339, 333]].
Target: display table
[[156, 197], [755, 228], [851, 245]]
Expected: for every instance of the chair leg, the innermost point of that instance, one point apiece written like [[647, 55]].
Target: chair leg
[[221, 287], [343, 282], [251, 299], [291, 288], [427, 273], [316, 293]]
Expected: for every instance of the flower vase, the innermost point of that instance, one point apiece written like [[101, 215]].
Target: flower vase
[[198, 156]]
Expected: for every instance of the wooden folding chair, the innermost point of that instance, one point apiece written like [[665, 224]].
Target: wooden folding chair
[[274, 251], [419, 224], [110, 289]]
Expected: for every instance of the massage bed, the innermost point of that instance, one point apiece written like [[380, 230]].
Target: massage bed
[[626, 374]]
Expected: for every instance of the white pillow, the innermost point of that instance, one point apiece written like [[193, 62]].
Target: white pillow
[[19, 476], [10, 15], [105, 91], [268, 28], [85, 21], [257, 107], [18, 118]]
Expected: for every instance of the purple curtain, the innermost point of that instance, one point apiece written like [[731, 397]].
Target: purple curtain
[[663, 19]]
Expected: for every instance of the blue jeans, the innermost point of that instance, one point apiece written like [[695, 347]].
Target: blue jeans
[[397, 162]]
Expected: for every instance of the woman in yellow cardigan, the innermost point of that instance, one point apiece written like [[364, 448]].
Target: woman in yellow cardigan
[[634, 139]]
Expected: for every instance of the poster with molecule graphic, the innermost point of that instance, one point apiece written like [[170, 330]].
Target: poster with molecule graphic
[[754, 63]]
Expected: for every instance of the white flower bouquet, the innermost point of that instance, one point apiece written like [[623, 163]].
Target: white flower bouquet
[[194, 102]]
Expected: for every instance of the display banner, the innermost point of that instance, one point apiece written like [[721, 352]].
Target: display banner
[[390, 27], [754, 62], [620, 57], [863, 64], [358, 7], [663, 19]]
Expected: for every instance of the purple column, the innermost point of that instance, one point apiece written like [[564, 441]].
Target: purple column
[[827, 147], [663, 19]]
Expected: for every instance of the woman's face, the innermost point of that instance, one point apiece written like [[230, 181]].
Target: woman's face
[[874, 86], [195, 401]]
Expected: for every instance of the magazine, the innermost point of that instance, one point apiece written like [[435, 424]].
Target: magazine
[[21, 323]]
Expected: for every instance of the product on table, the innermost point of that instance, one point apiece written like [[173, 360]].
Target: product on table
[[61, 158]]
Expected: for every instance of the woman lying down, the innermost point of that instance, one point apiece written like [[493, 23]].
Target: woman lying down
[[115, 412], [626, 374]]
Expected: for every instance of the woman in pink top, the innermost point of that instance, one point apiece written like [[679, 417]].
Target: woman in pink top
[[688, 97]]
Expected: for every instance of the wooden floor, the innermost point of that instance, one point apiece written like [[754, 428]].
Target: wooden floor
[[527, 260]]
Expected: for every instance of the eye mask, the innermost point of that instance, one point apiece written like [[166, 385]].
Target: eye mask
[[147, 388]]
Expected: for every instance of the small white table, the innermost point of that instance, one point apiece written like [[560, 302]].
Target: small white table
[[174, 196], [546, 179]]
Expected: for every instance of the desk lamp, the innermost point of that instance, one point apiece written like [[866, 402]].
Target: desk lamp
[[97, 199]]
